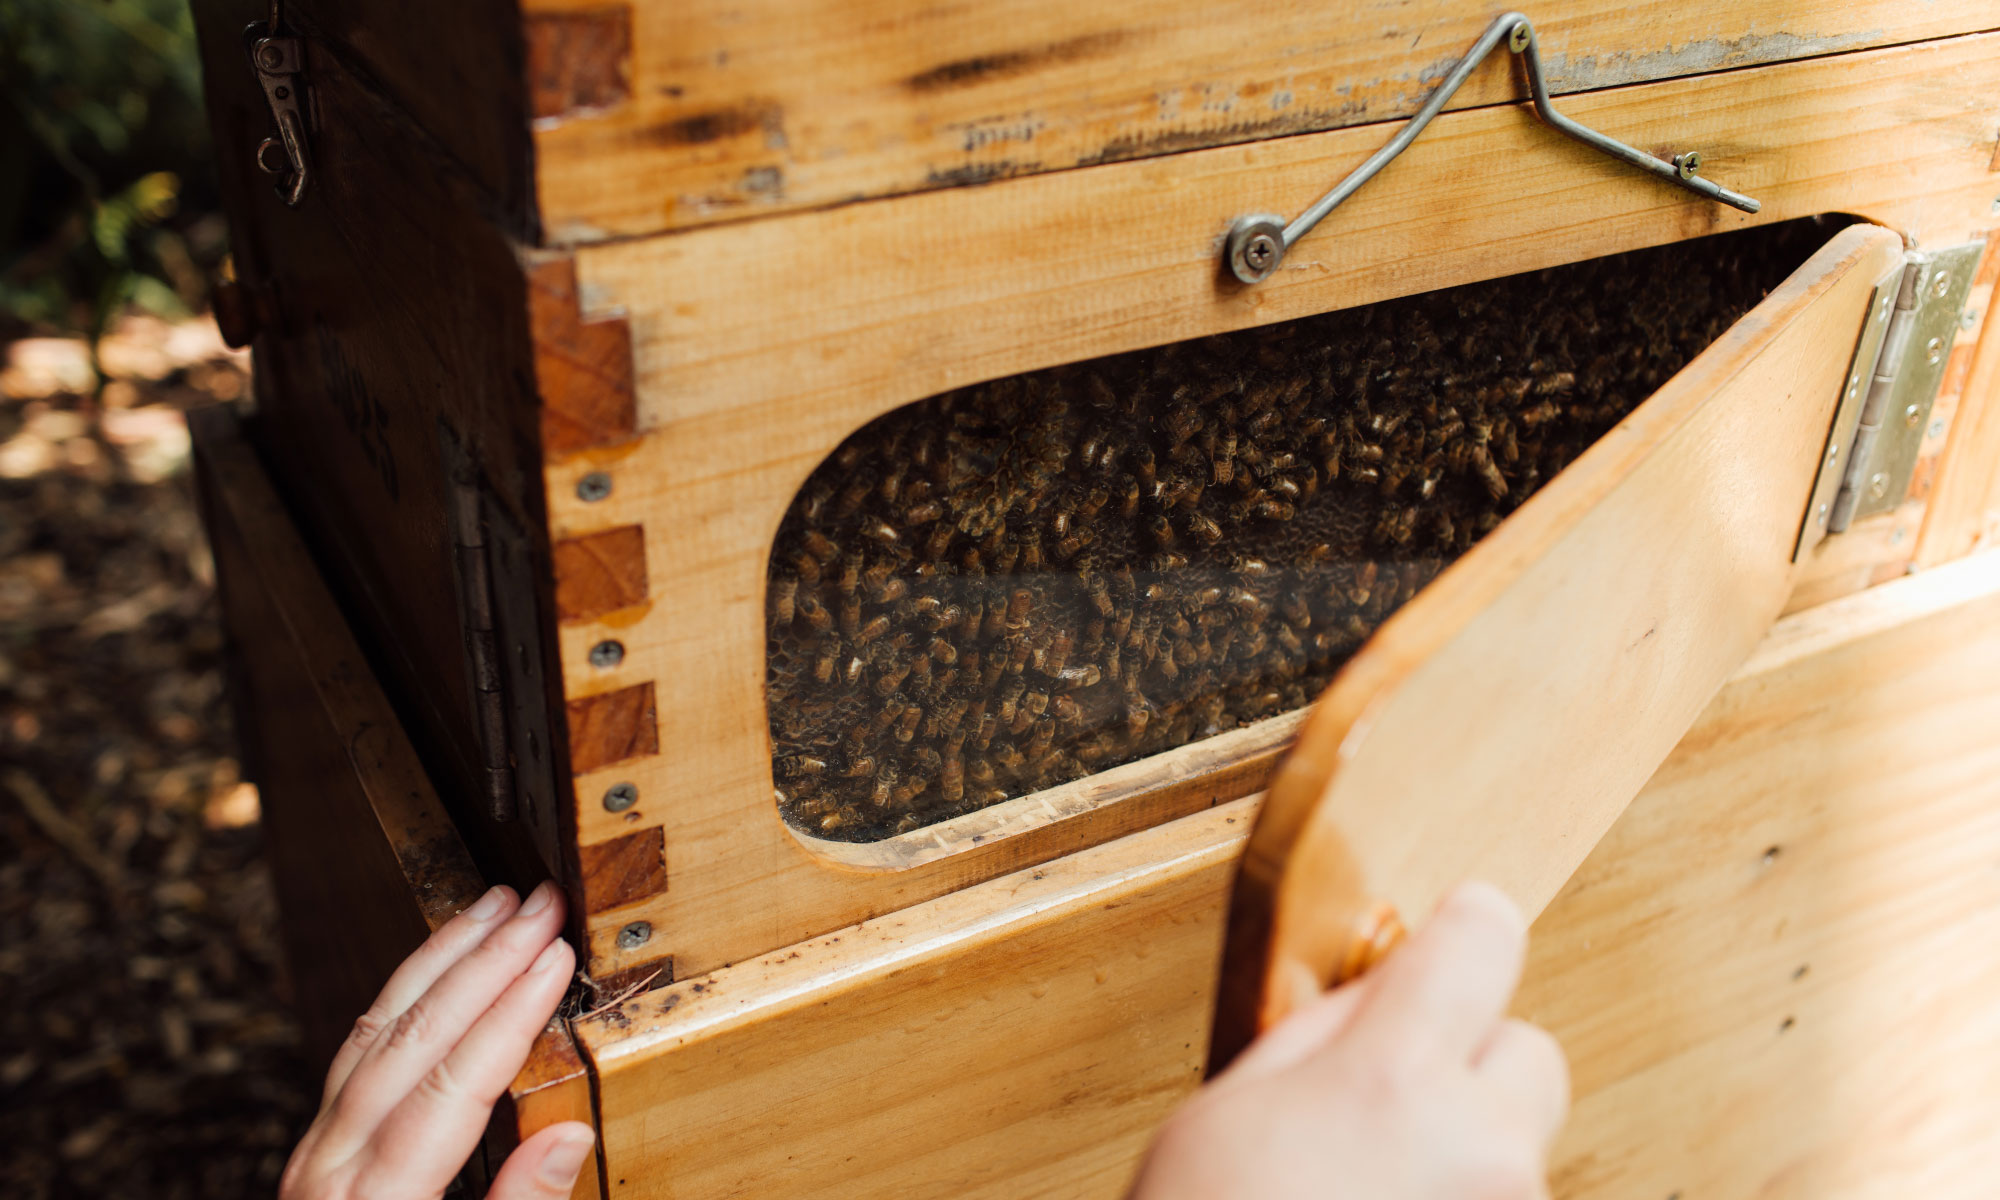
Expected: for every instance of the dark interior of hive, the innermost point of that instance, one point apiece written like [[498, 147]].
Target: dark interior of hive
[[1020, 583]]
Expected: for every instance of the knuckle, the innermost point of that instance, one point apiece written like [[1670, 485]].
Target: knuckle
[[442, 1083], [412, 1028], [367, 1027]]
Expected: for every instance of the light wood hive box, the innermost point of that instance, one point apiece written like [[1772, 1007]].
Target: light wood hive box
[[580, 303]]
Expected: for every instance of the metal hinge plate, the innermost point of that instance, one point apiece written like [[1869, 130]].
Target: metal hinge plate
[[1887, 393]]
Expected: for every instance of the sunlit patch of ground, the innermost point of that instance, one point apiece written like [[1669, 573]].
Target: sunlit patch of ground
[[146, 1044]]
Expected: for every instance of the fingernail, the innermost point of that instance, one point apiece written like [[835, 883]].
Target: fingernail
[[565, 1159], [489, 905], [551, 955], [538, 899]]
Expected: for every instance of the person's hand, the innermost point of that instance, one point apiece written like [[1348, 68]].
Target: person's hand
[[410, 1092], [1411, 1084]]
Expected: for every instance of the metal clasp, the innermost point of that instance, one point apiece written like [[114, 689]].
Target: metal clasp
[[280, 63], [1257, 244]]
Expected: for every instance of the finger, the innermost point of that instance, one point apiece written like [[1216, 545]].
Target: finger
[[1528, 1070], [1449, 984], [545, 1166], [452, 941], [446, 1113], [1299, 1036], [434, 1022]]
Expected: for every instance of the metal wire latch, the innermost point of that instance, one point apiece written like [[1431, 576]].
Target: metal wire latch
[[280, 63], [1257, 244]]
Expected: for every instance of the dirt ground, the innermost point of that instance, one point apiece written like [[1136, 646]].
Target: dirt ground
[[146, 1043]]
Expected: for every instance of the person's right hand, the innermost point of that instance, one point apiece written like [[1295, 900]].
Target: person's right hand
[[410, 1092], [1411, 1084]]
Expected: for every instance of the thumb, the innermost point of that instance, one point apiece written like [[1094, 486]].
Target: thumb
[[1309, 1030], [545, 1166]]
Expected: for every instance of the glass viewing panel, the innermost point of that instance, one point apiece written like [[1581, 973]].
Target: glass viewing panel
[[1019, 583]]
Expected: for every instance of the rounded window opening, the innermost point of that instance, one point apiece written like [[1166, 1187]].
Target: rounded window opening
[[1021, 583]]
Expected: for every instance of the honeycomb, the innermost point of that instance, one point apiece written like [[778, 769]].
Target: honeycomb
[[1022, 582]]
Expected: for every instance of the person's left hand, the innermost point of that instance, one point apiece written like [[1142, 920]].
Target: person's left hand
[[410, 1091]]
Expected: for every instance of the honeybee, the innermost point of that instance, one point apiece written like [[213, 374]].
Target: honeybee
[[784, 599], [820, 546]]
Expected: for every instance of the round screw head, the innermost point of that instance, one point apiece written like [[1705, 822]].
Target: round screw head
[[593, 487], [1520, 36], [270, 57], [1821, 515], [1832, 453], [1933, 351], [1685, 165], [607, 653], [1255, 247], [1967, 319], [1878, 485], [1941, 284], [635, 935], [1994, 207], [620, 796], [1937, 428], [1913, 416]]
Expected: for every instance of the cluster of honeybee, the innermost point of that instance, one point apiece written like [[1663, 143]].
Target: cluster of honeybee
[[1026, 581]]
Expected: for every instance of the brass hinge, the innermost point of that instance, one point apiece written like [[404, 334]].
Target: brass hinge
[[1887, 393]]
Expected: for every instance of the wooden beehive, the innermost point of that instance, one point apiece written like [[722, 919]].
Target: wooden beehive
[[605, 348]]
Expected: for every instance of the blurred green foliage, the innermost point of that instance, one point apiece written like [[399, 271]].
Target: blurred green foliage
[[106, 186]]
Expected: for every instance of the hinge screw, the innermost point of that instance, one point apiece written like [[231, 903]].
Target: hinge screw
[[1685, 165], [270, 57], [635, 935], [620, 796], [1878, 485], [1937, 428], [607, 653], [1913, 416], [1518, 40], [593, 487], [1832, 453], [1933, 351], [1822, 515], [1941, 284], [1968, 319]]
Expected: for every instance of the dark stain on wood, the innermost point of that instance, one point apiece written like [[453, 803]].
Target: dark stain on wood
[[582, 368], [579, 62], [983, 68], [600, 573], [721, 124], [1175, 141], [623, 869], [653, 974], [973, 174], [612, 727]]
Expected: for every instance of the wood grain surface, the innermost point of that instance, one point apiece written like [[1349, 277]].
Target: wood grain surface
[[739, 110], [1771, 976]]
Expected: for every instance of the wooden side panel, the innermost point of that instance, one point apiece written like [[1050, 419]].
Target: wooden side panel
[[365, 861], [665, 114], [1559, 661], [1775, 977], [398, 317], [1020, 1038]]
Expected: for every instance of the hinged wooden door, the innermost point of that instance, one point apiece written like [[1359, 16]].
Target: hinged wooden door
[[1498, 724]]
